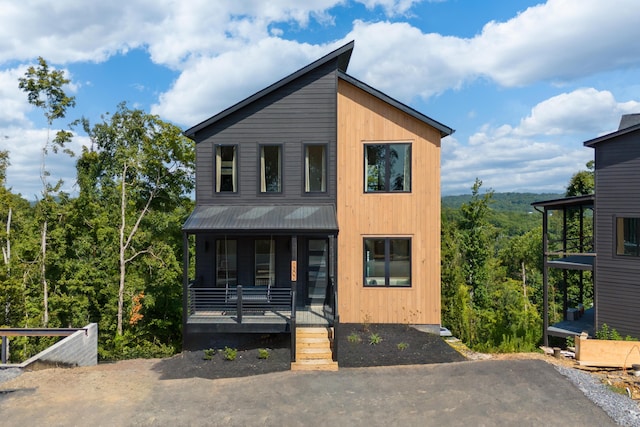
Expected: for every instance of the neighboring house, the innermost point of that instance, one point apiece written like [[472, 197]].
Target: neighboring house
[[606, 223], [617, 227], [320, 197]]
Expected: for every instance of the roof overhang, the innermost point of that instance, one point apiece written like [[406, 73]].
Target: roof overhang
[[593, 142], [261, 219], [566, 202]]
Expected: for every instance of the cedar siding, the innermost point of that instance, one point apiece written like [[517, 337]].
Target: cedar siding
[[366, 118], [617, 184]]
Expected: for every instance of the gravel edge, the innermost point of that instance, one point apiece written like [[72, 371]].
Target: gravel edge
[[623, 410]]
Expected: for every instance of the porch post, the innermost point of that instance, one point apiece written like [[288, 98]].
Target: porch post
[[334, 289], [294, 283], [185, 283], [545, 279]]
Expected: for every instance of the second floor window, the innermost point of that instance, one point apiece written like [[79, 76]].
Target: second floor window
[[270, 169], [315, 168], [387, 168], [226, 168]]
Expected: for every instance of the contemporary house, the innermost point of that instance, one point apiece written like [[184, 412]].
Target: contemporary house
[[611, 220], [317, 202]]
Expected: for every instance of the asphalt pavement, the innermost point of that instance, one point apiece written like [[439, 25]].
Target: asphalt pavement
[[473, 393]]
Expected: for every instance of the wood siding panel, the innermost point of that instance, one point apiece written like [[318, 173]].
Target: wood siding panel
[[362, 117], [617, 194], [303, 111]]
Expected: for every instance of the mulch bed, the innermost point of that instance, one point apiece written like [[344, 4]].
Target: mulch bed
[[392, 345]]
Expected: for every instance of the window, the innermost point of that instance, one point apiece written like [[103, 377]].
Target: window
[[270, 169], [315, 168], [226, 262], [387, 262], [628, 236], [226, 168], [387, 167], [265, 262]]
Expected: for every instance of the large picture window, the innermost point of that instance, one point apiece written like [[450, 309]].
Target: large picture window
[[270, 169], [387, 262], [265, 262], [628, 236], [226, 168], [315, 168], [226, 262], [387, 167]]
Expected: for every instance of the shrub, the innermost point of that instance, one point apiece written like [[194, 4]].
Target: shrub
[[354, 338], [209, 353], [403, 346], [375, 339], [263, 353], [230, 353]]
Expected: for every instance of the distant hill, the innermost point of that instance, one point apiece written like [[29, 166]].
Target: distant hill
[[503, 202]]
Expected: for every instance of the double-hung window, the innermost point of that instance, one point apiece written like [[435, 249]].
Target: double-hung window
[[226, 262], [270, 169], [226, 168], [628, 236], [387, 167], [265, 262], [387, 261], [315, 168]]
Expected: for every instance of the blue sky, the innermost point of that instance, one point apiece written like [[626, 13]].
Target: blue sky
[[524, 83]]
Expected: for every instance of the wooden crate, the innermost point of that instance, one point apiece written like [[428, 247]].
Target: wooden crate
[[607, 353]]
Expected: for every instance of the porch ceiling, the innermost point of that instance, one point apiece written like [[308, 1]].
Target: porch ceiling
[[269, 218]]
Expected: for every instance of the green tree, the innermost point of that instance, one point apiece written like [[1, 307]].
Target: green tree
[[475, 232], [582, 182], [143, 168], [45, 90]]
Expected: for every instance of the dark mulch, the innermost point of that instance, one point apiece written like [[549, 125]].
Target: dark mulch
[[397, 345]]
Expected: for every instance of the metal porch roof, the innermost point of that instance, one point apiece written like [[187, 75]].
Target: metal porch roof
[[256, 218]]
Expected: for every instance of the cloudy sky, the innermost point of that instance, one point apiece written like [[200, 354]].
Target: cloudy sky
[[523, 82]]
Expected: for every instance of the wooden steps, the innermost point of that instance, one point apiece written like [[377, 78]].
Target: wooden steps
[[314, 350]]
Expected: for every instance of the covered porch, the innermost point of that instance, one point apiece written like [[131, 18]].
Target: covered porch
[[569, 306], [259, 269]]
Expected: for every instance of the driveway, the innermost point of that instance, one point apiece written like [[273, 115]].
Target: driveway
[[131, 393]]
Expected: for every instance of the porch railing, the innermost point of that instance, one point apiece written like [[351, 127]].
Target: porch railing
[[238, 300]]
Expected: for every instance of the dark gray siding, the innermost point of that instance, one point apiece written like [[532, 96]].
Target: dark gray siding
[[303, 111], [617, 194]]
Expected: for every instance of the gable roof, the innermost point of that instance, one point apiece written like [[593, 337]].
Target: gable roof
[[592, 142], [342, 55], [444, 130]]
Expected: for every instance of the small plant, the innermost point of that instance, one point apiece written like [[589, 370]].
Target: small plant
[[571, 342], [263, 353], [230, 353], [374, 339], [208, 353], [403, 346], [366, 322], [354, 338]]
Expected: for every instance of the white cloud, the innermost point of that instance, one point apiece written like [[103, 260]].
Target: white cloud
[[541, 152], [13, 102]]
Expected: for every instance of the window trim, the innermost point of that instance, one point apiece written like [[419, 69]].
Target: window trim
[[305, 167], [217, 169], [261, 178], [387, 262], [387, 171]]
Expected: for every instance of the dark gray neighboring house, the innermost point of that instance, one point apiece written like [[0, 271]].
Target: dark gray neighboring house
[[617, 227]]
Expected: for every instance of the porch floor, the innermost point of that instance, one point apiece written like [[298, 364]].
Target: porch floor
[[569, 328]]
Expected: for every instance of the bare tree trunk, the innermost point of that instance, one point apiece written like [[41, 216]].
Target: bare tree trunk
[[123, 248], [45, 291], [6, 250], [524, 286]]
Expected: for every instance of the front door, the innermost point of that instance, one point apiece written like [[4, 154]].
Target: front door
[[317, 271]]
